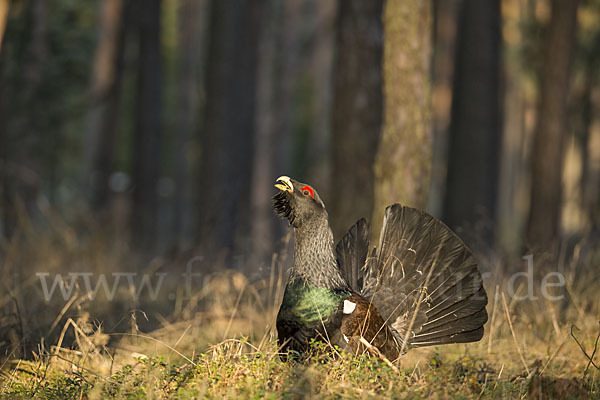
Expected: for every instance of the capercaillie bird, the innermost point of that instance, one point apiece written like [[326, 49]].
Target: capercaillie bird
[[420, 286]]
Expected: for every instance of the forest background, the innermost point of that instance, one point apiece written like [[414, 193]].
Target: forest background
[[144, 136]]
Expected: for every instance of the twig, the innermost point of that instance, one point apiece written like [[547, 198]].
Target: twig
[[590, 358], [61, 314], [593, 352], [560, 346], [238, 341], [82, 368], [14, 373], [264, 337], [375, 350], [421, 299], [182, 335], [158, 341], [235, 308], [554, 320], [513, 333], [326, 338], [489, 349], [415, 369], [498, 378], [78, 331]]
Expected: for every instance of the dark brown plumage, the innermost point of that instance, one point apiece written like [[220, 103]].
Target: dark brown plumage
[[419, 287]]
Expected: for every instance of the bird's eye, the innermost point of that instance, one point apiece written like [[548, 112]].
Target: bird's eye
[[307, 191]]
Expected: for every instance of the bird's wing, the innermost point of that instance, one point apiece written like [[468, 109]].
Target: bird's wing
[[424, 281], [351, 254]]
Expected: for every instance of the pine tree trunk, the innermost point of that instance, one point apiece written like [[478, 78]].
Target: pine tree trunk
[[444, 49], [268, 149], [403, 161], [192, 13], [227, 144], [474, 142], [103, 116], [549, 138], [4, 8], [315, 90], [589, 139], [357, 111], [148, 126], [20, 183]]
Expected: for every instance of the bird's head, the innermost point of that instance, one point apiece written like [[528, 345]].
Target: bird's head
[[297, 201]]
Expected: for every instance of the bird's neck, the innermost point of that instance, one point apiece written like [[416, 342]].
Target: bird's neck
[[314, 255]]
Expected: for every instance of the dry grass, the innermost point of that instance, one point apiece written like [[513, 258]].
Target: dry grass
[[221, 341]]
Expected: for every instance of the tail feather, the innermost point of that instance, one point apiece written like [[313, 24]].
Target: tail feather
[[459, 309], [463, 337], [457, 326], [351, 252], [425, 280], [467, 314], [456, 293]]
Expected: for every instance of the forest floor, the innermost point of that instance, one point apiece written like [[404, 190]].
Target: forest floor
[[221, 344], [177, 361]]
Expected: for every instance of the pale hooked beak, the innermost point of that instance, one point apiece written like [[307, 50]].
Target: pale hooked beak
[[284, 183]]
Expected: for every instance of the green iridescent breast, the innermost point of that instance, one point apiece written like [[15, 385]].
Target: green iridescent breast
[[308, 303]]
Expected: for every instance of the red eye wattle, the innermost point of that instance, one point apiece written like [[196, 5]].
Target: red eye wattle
[[307, 190]]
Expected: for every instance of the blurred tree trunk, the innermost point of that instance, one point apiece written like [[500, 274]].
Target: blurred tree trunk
[[320, 32], [227, 144], [103, 116], [548, 143], [513, 179], [4, 7], [191, 33], [588, 188], [589, 140], [403, 161], [357, 110], [444, 50], [20, 184], [146, 156], [20, 176], [269, 150], [474, 147], [294, 108]]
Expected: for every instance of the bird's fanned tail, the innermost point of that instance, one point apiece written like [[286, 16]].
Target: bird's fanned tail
[[351, 253], [421, 277]]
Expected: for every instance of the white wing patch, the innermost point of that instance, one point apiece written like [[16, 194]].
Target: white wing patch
[[346, 338], [349, 307]]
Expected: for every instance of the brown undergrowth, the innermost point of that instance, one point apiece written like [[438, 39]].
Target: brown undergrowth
[[218, 339]]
